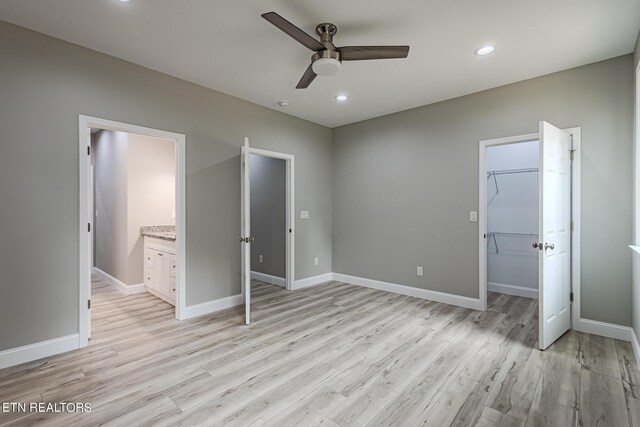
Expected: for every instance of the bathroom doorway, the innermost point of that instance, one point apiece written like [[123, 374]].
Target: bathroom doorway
[[148, 253]]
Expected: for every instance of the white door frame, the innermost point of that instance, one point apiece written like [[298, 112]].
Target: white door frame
[[85, 122], [290, 209], [575, 214], [636, 163]]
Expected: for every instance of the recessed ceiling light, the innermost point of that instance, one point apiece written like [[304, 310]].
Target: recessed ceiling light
[[283, 103], [485, 50], [124, 1], [342, 98]]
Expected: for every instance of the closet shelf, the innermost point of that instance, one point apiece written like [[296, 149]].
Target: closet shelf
[[500, 233], [511, 171], [512, 176], [491, 235]]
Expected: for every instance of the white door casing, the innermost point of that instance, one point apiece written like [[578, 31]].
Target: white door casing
[[245, 228], [554, 234]]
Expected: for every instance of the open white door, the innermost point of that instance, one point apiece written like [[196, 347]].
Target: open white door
[[91, 212], [245, 229], [555, 234]]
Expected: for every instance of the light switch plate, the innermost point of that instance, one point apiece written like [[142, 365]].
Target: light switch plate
[[261, 259], [304, 214], [473, 216], [316, 261], [419, 271]]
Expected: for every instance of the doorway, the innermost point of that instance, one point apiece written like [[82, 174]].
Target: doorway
[[268, 220], [247, 238], [512, 218], [525, 247], [174, 265]]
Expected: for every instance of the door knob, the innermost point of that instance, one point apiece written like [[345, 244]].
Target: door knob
[[537, 245], [549, 246]]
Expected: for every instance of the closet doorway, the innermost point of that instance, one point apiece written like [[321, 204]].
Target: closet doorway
[[512, 218], [287, 232], [529, 231]]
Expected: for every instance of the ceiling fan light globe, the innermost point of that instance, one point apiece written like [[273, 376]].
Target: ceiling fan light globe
[[326, 66]]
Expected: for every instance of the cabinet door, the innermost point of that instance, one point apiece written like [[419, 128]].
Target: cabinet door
[[150, 274], [148, 277], [157, 270], [149, 258], [163, 270], [173, 265]]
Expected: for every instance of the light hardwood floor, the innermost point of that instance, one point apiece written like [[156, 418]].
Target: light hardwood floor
[[330, 355]]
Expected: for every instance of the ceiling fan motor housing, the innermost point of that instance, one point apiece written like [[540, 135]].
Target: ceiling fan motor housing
[[326, 63]]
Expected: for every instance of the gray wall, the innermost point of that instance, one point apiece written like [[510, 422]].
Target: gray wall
[[268, 214], [404, 184], [110, 178], [45, 84]]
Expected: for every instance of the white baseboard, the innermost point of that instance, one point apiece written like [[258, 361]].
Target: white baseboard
[[467, 302], [209, 307], [312, 281], [268, 278], [28, 353], [122, 287], [519, 291], [595, 327]]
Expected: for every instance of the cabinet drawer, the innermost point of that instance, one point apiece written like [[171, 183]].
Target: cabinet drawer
[[149, 258], [148, 277], [173, 266]]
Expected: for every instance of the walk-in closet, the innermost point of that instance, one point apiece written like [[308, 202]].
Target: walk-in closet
[[512, 218]]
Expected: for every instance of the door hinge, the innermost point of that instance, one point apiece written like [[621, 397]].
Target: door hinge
[[89, 227], [571, 152], [89, 304], [485, 235], [571, 225], [289, 230], [571, 297], [88, 150]]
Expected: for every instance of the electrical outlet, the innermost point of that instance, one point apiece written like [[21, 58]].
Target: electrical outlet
[[260, 258], [419, 271], [473, 216], [304, 214], [316, 261]]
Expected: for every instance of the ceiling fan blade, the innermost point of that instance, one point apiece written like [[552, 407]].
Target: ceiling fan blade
[[307, 78], [293, 31], [359, 53]]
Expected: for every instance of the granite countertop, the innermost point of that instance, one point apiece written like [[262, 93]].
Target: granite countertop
[[164, 232]]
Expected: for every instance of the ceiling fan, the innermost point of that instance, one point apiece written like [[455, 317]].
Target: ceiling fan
[[327, 58]]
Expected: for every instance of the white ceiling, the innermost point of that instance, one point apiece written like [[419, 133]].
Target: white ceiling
[[226, 45]]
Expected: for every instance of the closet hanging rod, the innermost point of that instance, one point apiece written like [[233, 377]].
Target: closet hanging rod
[[511, 171], [500, 233]]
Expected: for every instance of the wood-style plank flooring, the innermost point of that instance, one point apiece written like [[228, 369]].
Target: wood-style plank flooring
[[330, 355]]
